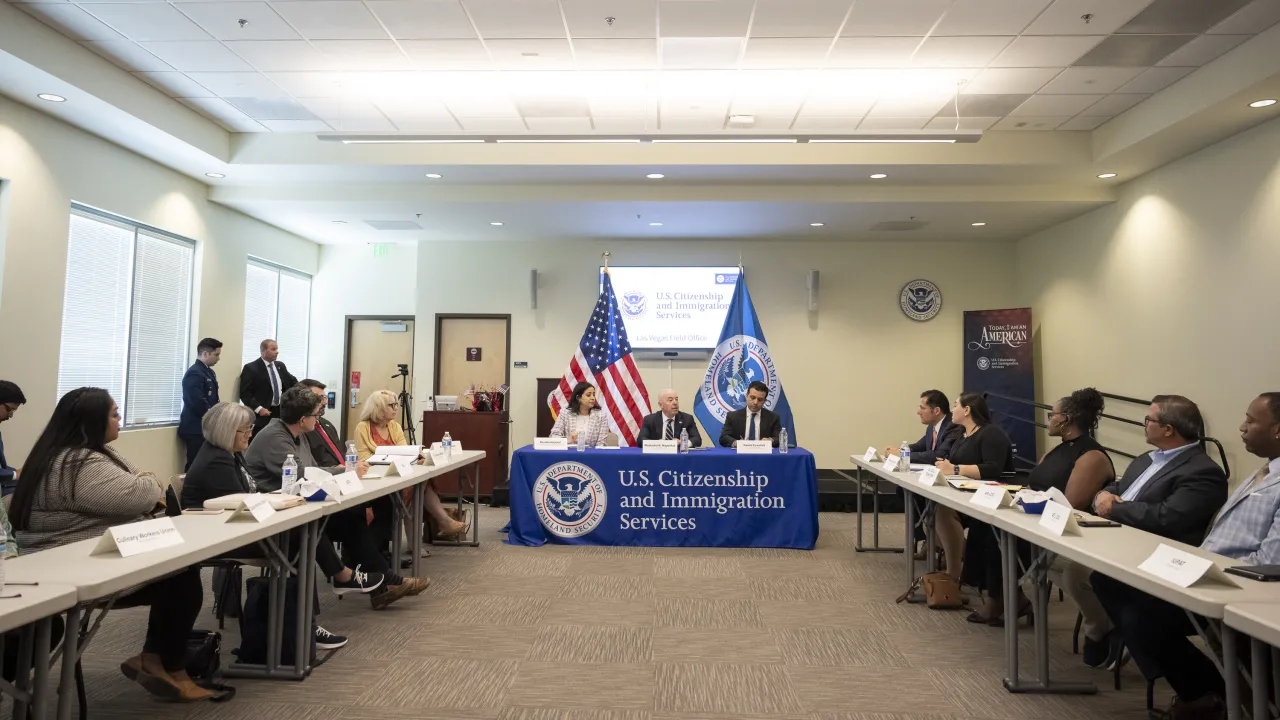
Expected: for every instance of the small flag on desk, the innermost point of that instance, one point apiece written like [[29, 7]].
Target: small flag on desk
[[603, 358]]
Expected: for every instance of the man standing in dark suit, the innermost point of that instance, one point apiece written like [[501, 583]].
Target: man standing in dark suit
[[667, 423], [753, 422], [199, 393], [262, 382]]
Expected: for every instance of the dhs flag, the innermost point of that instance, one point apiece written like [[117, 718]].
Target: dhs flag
[[741, 358]]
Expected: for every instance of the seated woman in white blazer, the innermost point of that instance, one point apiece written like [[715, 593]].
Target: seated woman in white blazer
[[582, 416]]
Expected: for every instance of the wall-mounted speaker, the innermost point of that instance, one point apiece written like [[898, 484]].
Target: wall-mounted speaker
[[533, 289], [812, 283]]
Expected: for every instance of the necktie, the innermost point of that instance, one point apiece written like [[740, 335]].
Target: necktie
[[327, 441], [751, 427], [669, 433], [934, 445], [275, 384]]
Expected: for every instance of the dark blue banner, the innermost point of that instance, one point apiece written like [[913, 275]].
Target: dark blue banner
[[713, 497], [997, 359]]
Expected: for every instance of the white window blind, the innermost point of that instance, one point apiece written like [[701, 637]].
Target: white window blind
[[277, 305], [126, 315]]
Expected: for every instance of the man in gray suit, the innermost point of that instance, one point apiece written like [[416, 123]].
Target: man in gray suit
[[1246, 529]]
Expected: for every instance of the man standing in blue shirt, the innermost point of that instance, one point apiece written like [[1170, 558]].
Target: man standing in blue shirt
[[199, 393], [11, 398]]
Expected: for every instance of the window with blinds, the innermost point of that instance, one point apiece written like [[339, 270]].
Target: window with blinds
[[126, 315], [277, 305]]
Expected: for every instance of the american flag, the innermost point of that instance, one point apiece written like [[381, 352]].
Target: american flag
[[604, 359]]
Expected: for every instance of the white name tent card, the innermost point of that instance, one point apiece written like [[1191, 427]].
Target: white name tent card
[[348, 483], [550, 443], [660, 447], [315, 474], [892, 463], [930, 476], [1059, 519], [754, 447], [1183, 568], [871, 455], [991, 497], [254, 507], [139, 537]]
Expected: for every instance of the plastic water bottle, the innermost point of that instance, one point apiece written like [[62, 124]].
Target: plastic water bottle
[[4, 550], [289, 475], [684, 440], [904, 455], [446, 444], [352, 456], [782, 440], [582, 440]]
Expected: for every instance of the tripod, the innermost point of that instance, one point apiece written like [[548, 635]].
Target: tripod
[[405, 399]]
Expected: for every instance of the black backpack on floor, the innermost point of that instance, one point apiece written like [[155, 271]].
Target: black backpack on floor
[[253, 624]]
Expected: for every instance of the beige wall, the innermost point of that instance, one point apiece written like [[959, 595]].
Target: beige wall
[[46, 165], [1170, 290], [852, 371]]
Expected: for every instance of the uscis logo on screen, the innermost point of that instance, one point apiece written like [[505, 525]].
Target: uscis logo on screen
[[570, 499], [920, 300], [738, 362], [633, 304]]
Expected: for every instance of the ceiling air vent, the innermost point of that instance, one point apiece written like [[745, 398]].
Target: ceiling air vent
[[393, 224], [898, 225]]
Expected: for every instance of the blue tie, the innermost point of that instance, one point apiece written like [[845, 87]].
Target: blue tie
[[751, 426]]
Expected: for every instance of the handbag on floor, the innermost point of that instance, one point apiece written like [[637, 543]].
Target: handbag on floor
[[941, 591], [204, 663]]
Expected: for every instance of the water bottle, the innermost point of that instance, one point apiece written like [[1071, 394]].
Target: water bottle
[[446, 444], [684, 440], [582, 440], [904, 455], [4, 550], [782, 440], [289, 475], [352, 456]]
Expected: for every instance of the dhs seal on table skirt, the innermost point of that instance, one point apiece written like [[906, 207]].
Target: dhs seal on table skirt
[[570, 499], [736, 363]]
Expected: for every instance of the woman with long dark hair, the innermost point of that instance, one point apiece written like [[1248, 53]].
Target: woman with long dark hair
[[73, 487], [582, 415]]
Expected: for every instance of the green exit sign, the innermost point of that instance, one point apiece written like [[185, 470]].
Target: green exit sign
[[381, 250]]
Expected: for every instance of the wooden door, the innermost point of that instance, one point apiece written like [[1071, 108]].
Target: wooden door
[[375, 348], [472, 350]]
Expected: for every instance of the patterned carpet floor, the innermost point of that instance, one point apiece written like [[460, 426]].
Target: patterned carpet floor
[[590, 633]]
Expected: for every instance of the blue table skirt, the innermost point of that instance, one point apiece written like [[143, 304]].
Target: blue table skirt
[[714, 498]]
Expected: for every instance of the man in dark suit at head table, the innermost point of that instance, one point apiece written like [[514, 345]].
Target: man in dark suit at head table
[[753, 422], [667, 423], [262, 382], [199, 393]]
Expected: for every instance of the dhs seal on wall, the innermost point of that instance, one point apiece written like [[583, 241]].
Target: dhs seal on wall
[[633, 304], [920, 300], [570, 499], [736, 363]]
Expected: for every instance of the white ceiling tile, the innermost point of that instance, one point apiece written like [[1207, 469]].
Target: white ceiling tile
[[1029, 123], [691, 124], [242, 126], [1202, 50], [128, 55], [332, 20], [1011, 81], [635, 100], [531, 54], [423, 19], [319, 84], [703, 18], [296, 126], [620, 54], [989, 17], [942, 122], [826, 124], [769, 94], [576, 126], [845, 93], [1046, 51], [798, 18], [1090, 80], [271, 108], [882, 124], [872, 52], [1113, 105], [1054, 105], [339, 108], [1064, 17], [701, 52], [516, 18], [238, 84], [492, 125], [175, 84], [1155, 79], [626, 125], [215, 108], [1082, 123], [912, 107], [435, 125], [222, 20], [148, 21], [416, 113], [364, 124], [280, 55], [631, 18], [770, 123], [70, 21], [209, 55], [894, 17], [959, 52], [1252, 18], [479, 105], [363, 54], [447, 54], [785, 53]]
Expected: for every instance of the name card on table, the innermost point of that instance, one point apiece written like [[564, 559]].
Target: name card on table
[[892, 463], [254, 507], [437, 451], [1183, 568], [661, 447], [1059, 519], [755, 447], [871, 455], [551, 443], [140, 537], [930, 476], [991, 497], [348, 482]]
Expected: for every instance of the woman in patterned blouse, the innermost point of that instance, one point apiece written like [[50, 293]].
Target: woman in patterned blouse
[[582, 415]]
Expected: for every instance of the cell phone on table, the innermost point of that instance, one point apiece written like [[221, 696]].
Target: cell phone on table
[[1097, 523], [203, 511], [1263, 573]]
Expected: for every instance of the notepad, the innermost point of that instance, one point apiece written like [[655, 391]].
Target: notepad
[[383, 454]]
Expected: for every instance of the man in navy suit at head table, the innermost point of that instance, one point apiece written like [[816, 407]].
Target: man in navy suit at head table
[[667, 423]]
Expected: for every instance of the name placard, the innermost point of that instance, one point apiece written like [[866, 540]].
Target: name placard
[[1183, 568], [991, 497], [1059, 519], [930, 476], [140, 537], [348, 483], [755, 447], [892, 463], [550, 443], [405, 467], [255, 507], [660, 447], [315, 474], [871, 455]]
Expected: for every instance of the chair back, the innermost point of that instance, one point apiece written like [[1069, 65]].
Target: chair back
[[176, 482], [611, 439]]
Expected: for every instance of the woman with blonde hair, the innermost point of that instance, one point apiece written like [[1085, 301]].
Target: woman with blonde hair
[[378, 427]]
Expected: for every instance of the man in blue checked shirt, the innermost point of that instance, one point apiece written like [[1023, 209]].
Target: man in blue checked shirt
[[1247, 529]]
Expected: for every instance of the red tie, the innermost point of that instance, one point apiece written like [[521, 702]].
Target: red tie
[[934, 446], [328, 442]]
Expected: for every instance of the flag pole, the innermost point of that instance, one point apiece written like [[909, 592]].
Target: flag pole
[[604, 256]]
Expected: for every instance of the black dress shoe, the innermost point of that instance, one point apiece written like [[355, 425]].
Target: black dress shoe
[[1097, 652]]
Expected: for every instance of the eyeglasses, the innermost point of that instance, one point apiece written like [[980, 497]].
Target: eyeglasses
[[1148, 420], [394, 405], [12, 407], [318, 415], [245, 430]]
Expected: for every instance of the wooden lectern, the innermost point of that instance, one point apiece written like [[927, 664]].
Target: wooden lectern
[[487, 431]]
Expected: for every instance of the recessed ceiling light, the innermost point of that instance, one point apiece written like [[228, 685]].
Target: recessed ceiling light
[[215, 176], [496, 224], [816, 224], [879, 176], [655, 176], [1107, 176], [50, 97], [978, 224], [655, 224], [1255, 103], [434, 176]]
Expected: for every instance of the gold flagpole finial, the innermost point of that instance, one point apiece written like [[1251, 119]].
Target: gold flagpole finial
[[739, 262], [605, 257]]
